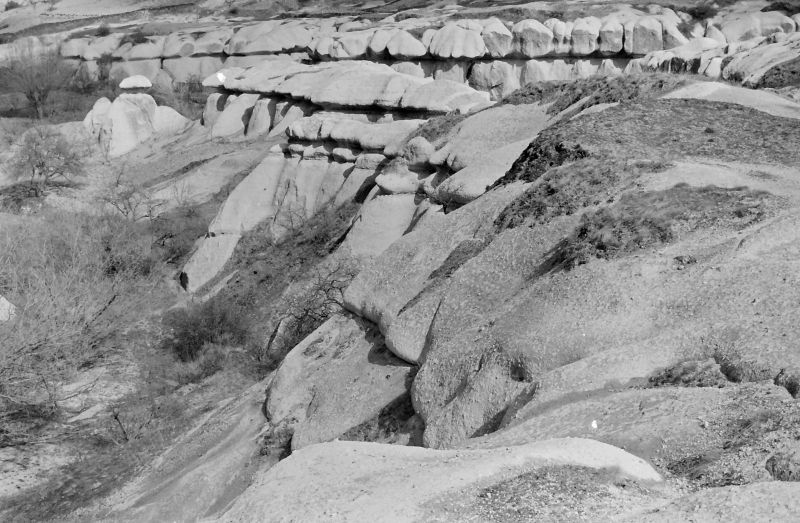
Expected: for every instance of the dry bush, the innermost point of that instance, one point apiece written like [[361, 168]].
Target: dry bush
[[43, 156], [71, 278]]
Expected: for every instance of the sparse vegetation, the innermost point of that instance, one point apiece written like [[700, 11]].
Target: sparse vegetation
[[70, 277], [102, 30], [11, 4], [44, 156], [646, 219], [598, 90], [438, 128], [192, 329]]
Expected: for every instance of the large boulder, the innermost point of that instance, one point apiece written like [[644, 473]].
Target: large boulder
[[498, 78], [611, 36], [404, 46], [269, 37], [585, 36], [562, 35], [455, 41], [752, 25], [643, 35], [123, 125], [233, 120], [497, 38], [766, 65], [343, 362], [318, 481], [532, 39]]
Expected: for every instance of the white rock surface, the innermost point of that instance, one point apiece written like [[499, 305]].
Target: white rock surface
[[136, 82], [320, 480], [209, 259]]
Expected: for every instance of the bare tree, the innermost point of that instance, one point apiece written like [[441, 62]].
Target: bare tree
[[36, 77], [44, 155]]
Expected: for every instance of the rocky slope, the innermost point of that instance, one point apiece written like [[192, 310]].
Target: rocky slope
[[581, 299]]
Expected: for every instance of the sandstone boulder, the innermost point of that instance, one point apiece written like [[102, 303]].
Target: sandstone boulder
[[497, 38], [643, 35], [404, 46], [562, 35], [532, 39], [498, 78], [382, 220], [454, 41], [233, 120], [752, 25], [342, 362], [585, 36], [430, 478], [611, 36]]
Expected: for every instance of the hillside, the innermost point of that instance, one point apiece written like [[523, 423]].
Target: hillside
[[399, 261]]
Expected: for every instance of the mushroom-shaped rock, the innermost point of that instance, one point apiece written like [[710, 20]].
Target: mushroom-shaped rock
[[497, 38], [562, 35], [585, 36], [611, 36], [643, 35], [454, 41], [136, 82], [403, 45], [532, 39]]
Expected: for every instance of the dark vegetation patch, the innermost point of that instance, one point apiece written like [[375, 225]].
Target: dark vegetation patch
[[599, 90], [786, 74], [690, 373], [438, 127], [192, 329], [647, 219], [265, 269], [562, 191], [544, 153], [553, 493], [394, 419], [661, 130], [790, 7], [17, 197]]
